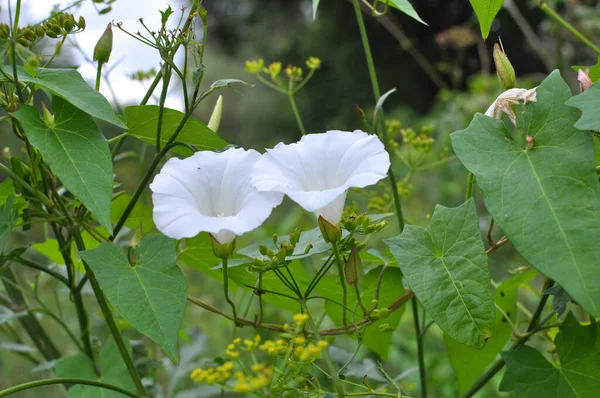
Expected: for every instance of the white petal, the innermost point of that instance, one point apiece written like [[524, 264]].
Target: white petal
[[210, 192], [320, 168]]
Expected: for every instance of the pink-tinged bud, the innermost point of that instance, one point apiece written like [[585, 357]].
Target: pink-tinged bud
[[353, 268], [583, 76], [104, 46]]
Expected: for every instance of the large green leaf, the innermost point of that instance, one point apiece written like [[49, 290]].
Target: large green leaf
[[529, 374], [447, 268], [546, 199], [140, 217], [112, 368], [8, 219], [150, 294], [390, 289], [469, 363], [405, 7], [69, 84], [142, 122], [76, 151], [486, 11], [588, 103]]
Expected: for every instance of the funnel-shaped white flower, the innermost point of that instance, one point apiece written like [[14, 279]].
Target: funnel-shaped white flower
[[508, 98], [210, 192], [317, 171]]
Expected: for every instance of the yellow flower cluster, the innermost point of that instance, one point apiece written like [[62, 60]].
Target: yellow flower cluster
[[246, 383], [274, 70], [214, 375], [313, 63], [293, 72], [274, 348], [255, 66], [232, 350], [300, 319], [310, 351]]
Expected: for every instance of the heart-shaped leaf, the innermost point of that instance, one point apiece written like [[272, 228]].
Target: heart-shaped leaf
[[545, 199], [447, 268], [150, 294]]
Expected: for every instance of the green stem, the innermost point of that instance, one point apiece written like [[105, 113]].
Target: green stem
[[48, 271], [340, 266], [533, 328], [325, 352], [48, 382], [39, 196], [360, 302], [296, 113], [98, 75], [226, 291], [30, 323], [110, 321], [470, 182], [422, 374], [13, 51], [377, 94], [161, 105], [578, 35]]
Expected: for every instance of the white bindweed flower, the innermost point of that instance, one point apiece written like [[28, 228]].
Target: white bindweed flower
[[508, 98], [210, 192], [583, 77], [317, 171]]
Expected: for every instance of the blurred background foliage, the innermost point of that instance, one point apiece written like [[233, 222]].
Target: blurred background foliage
[[443, 74]]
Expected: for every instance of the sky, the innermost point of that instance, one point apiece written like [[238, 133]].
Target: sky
[[130, 55]]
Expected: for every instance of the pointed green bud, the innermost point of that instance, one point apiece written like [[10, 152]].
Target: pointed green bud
[[353, 268], [222, 250], [47, 117], [215, 118], [262, 249], [505, 70], [330, 232], [275, 239], [81, 23], [104, 46]]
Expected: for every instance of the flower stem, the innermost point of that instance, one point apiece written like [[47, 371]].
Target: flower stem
[[226, 291], [340, 265], [470, 182], [99, 75], [578, 35], [13, 53], [360, 302], [419, 335], [334, 373], [296, 113], [47, 382]]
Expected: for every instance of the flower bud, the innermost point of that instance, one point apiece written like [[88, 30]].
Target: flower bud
[[222, 250], [353, 268], [330, 232], [215, 118], [504, 69], [583, 76], [104, 46], [47, 117], [262, 249], [386, 328], [530, 141], [384, 313]]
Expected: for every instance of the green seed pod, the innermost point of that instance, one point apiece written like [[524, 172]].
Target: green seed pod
[[69, 24], [262, 249], [33, 61], [51, 34], [39, 31], [104, 46], [81, 23], [23, 41], [505, 70], [61, 19], [56, 29]]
